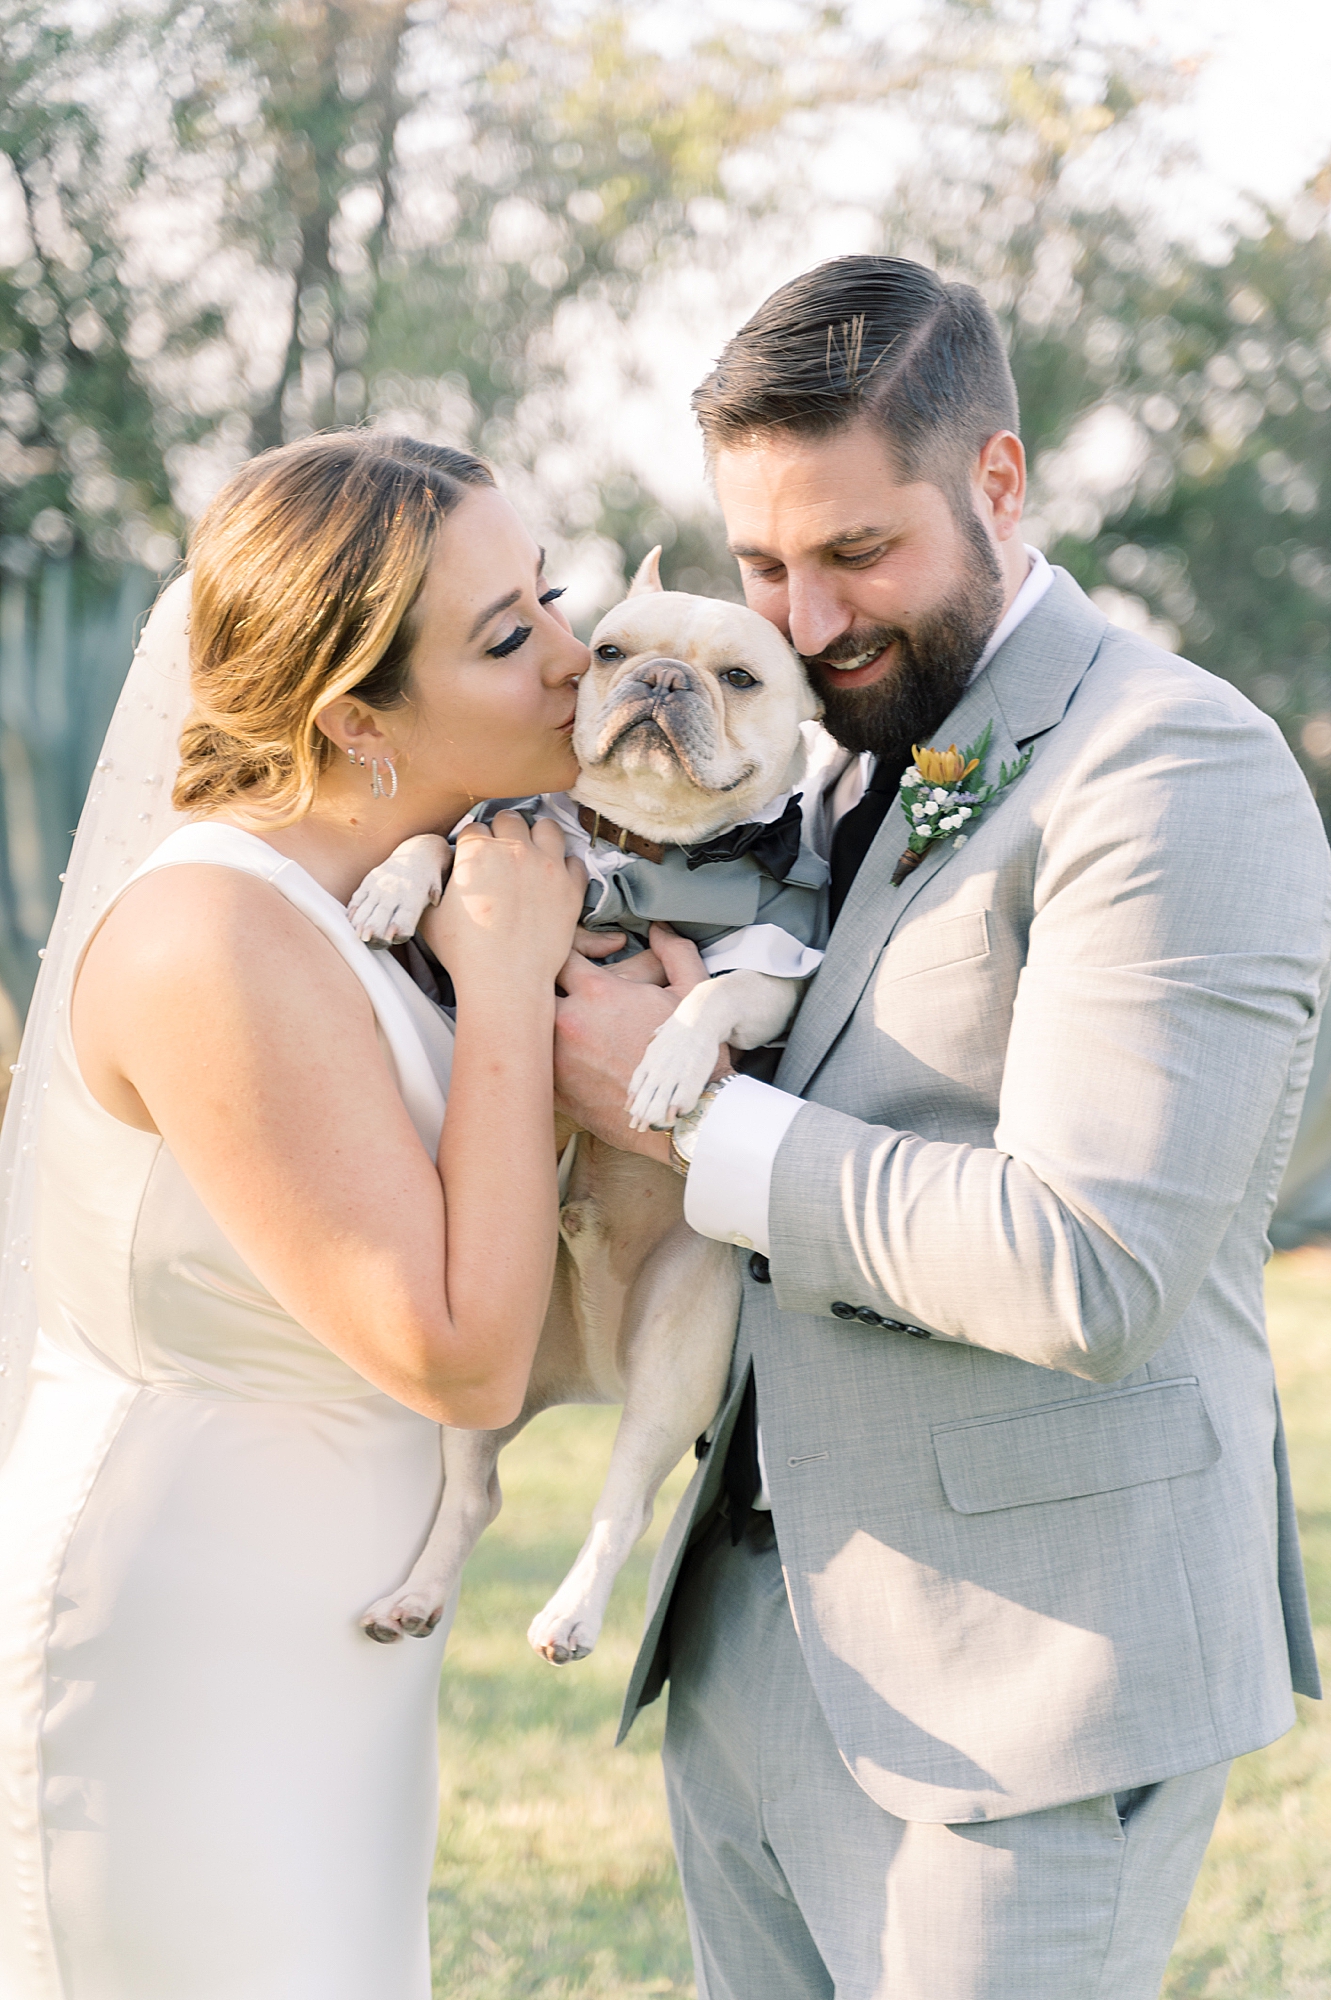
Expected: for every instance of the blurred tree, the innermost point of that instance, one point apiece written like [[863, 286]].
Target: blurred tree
[[85, 506], [294, 110], [332, 208], [80, 460], [436, 181], [1216, 384]]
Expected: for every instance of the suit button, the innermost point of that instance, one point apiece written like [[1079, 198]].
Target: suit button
[[868, 1317], [896, 1326], [842, 1310], [920, 1332], [759, 1269]]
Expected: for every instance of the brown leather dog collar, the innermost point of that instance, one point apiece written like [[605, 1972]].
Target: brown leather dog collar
[[601, 828]]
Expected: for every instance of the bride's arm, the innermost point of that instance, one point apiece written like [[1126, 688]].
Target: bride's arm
[[210, 1010]]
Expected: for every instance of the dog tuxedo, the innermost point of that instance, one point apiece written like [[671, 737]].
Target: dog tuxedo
[[741, 915]]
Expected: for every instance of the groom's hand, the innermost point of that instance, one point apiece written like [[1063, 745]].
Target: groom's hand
[[602, 1025]]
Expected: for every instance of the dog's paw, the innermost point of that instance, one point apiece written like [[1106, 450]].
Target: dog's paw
[[406, 1614], [561, 1636], [391, 901], [670, 1078]]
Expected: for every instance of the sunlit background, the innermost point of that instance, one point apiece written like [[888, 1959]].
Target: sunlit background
[[528, 226]]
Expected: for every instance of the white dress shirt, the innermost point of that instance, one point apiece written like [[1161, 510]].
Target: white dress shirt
[[730, 1178]]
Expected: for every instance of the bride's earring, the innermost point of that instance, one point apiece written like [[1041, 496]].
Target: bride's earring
[[376, 782]]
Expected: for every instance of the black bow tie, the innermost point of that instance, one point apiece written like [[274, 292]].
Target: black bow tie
[[773, 845]]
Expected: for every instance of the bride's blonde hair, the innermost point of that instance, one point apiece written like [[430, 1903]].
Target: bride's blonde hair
[[305, 570]]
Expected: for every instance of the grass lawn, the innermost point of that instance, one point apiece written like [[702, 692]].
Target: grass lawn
[[1259, 1927], [554, 1876]]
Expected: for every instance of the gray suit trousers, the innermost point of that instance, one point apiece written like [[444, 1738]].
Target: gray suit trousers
[[798, 1885]]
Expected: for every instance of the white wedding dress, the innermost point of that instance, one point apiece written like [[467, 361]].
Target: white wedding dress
[[213, 1785]]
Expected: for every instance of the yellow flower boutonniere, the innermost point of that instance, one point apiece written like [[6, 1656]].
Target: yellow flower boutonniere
[[943, 767], [935, 799]]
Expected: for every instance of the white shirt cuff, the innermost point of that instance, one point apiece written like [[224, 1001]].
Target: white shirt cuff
[[730, 1177]]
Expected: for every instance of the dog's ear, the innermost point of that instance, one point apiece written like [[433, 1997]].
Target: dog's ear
[[648, 576]]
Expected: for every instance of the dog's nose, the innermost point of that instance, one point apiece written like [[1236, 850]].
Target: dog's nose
[[665, 675]]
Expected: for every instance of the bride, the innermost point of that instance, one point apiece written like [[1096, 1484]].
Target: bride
[[266, 1265]]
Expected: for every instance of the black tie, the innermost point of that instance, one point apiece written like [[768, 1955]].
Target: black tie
[[856, 830]]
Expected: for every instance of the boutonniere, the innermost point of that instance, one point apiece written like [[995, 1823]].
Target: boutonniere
[[937, 801]]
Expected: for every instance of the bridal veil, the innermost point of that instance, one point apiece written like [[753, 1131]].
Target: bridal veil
[[128, 813]]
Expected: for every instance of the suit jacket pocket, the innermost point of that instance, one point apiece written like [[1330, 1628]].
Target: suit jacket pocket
[[1064, 1451], [933, 942]]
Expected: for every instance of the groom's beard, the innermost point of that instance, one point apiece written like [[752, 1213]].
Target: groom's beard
[[933, 665]]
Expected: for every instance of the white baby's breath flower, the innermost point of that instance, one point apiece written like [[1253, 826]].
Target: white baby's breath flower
[[940, 795], [961, 840]]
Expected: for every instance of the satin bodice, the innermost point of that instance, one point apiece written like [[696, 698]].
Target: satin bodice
[[132, 1271]]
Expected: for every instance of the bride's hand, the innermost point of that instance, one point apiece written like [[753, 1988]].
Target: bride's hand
[[511, 905]]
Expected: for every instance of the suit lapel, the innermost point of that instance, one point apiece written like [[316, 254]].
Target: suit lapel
[[1023, 692]]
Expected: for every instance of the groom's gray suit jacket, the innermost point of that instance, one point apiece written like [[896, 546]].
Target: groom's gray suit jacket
[[1052, 1081]]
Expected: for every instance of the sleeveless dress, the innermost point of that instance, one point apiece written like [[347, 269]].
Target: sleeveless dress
[[213, 1785]]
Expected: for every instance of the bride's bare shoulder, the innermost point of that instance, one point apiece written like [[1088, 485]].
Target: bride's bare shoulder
[[198, 927], [204, 975]]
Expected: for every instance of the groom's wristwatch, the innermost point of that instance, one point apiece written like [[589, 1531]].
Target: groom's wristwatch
[[684, 1132]]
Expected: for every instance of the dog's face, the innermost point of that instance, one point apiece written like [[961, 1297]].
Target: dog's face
[[689, 715]]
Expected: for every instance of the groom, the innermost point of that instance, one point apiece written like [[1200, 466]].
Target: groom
[[991, 1566]]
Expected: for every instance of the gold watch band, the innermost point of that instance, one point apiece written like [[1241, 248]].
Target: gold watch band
[[692, 1120]]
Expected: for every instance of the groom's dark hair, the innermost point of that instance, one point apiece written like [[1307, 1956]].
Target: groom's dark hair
[[874, 337]]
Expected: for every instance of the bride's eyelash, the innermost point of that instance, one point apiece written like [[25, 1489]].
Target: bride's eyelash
[[517, 637], [521, 633]]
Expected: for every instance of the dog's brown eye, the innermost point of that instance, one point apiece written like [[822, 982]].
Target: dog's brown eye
[[736, 677], [610, 654]]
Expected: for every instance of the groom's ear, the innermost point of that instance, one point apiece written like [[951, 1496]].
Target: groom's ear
[[648, 576]]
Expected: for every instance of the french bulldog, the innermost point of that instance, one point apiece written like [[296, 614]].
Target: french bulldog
[[688, 728]]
